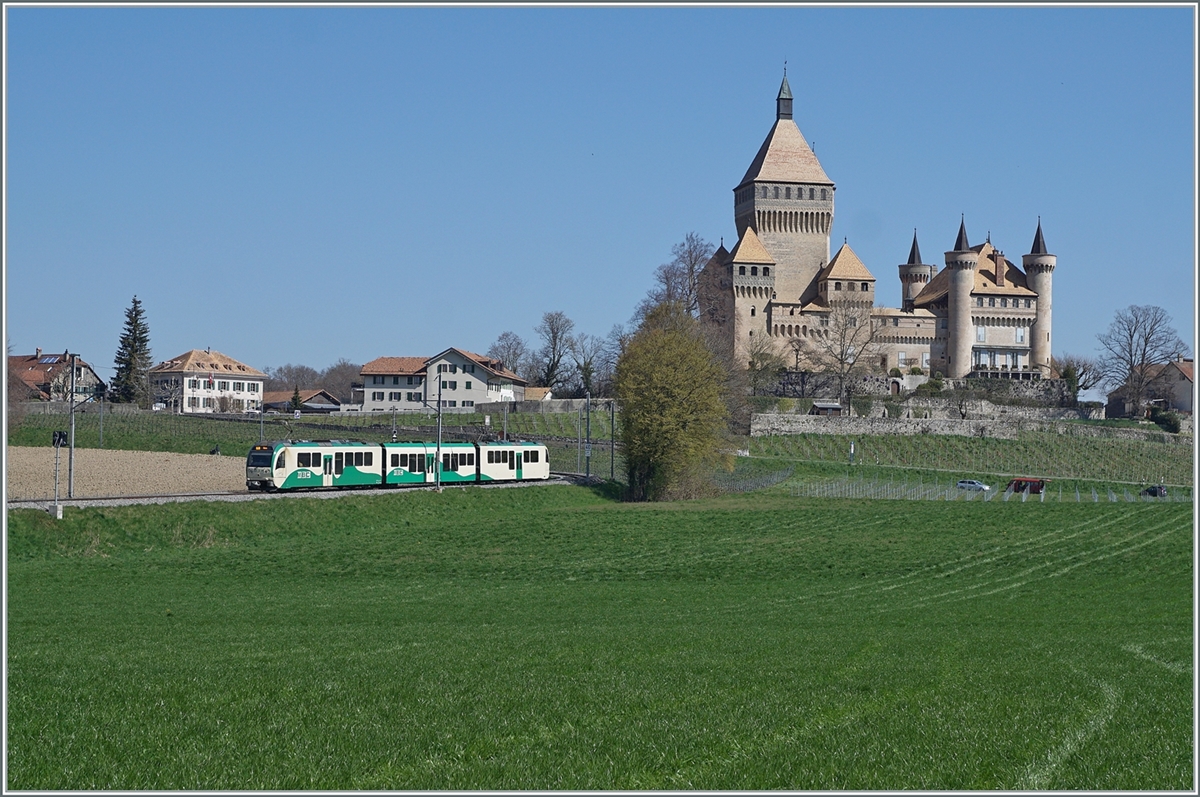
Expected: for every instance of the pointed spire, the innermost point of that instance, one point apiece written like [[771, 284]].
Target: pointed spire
[[961, 245], [1039, 244], [783, 103], [914, 254]]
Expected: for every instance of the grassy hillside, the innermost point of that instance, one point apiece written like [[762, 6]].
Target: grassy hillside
[[547, 638]]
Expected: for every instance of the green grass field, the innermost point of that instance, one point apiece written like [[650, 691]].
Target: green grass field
[[549, 638]]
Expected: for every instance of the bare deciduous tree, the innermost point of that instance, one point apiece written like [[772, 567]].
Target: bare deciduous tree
[[1139, 338], [555, 333], [845, 344], [679, 279], [339, 379], [1080, 373], [764, 365], [587, 352], [289, 375], [510, 349]]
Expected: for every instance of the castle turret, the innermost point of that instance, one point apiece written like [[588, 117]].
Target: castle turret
[[914, 276], [961, 262], [1039, 271]]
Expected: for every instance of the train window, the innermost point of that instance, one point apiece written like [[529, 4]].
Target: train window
[[337, 464], [534, 457], [282, 461], [512, 462], [491, 457], [358, 459], [395, 460], [367, 457], [525, 456], [445, 462], [471, 459], [302, 460]]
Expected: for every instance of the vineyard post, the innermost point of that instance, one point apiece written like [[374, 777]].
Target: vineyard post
[[71, 451]]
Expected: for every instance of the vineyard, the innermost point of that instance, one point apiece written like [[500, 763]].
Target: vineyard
[[1042, 454]]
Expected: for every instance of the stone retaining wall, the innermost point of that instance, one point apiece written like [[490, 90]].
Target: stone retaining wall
[[778, 424]]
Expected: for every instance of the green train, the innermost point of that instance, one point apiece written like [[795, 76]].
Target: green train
[[313, 464]]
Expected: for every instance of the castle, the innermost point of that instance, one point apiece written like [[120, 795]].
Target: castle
[[779, 290]]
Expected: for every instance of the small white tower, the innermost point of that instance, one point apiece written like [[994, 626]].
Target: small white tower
[[1039, 271], [961, 262]]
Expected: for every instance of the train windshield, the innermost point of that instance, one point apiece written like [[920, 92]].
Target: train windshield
[[259, 459]]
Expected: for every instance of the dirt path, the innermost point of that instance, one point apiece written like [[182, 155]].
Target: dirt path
[[100, 472]]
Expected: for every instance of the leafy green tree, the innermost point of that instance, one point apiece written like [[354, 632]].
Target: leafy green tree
[[672, 414], [129, 385]]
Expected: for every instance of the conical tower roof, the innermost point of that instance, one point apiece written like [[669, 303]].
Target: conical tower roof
[[914, 254], [751, 250], [1039, 244], [961, 244]]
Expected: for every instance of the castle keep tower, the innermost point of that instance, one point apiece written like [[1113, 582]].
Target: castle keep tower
[[961, 263], [787, 199], [914, 276], [1039, 270]]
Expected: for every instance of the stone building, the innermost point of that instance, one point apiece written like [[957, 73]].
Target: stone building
[[980, 315]]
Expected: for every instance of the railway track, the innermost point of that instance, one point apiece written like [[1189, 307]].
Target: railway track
[[47, 504]]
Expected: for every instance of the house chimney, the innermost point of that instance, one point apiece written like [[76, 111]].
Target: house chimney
[[1000, 268], [38, 355]]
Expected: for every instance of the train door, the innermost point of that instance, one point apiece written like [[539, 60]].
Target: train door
[[327, 471]]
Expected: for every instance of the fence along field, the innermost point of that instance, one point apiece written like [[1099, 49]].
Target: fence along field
[[565, 641]]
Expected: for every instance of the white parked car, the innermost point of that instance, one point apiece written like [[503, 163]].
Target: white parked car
[[971, 484]]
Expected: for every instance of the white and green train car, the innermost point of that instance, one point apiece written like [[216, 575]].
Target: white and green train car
[[304, 464], [509, 460]]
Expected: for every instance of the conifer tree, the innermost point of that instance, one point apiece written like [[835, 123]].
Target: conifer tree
[[133, 359], [296, 402]]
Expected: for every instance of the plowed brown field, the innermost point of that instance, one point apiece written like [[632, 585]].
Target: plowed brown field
[[101, 473]]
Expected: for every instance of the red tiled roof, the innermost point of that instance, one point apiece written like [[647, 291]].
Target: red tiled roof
[[394, 365]]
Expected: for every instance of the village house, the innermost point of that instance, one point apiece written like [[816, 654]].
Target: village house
[[47, 377], [206, 381], [411, 384]]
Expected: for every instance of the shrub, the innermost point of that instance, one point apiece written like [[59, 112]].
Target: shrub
[[916, 371], [895, 372], [937, 374], [786, 405], [1167, 420], [862, 405]]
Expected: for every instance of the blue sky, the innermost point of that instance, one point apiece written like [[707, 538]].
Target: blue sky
[[296, 185]]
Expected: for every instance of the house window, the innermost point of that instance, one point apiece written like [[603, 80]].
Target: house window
[[467, 386], [193, 401], [208, 402], [252, 387], [377, 395], [222, 385], [238, 387], [395, 380], [394, 396], [193, 384], [468, 403], [377, 380], [410, 380]]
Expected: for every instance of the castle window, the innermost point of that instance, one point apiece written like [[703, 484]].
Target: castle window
[[1004, 302], [777, 192], [812, 193], [991, 301], [943, 324], [766, 271], [822, 193], [752, 311], [837, 286], [754, 271], [787, 193], [741, 271], [866, 286], [895, 322], [793, 311], [1020, 334], [850, 286], [1028, 304], [980, 334], [979, 301]]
